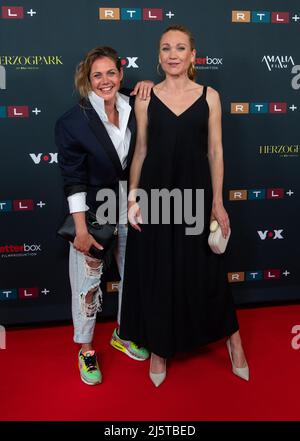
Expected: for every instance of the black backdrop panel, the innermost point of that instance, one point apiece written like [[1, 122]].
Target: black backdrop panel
[[245, 49]]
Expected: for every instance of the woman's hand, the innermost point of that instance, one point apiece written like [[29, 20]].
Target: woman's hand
[[219, 214], [134, 215], [84, 241], [143, 89]]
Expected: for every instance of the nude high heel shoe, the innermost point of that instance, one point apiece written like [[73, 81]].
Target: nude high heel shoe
[[157, 379], [240, 372]]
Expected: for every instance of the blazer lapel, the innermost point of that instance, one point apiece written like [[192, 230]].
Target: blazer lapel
[[103, 137], [132, 128]]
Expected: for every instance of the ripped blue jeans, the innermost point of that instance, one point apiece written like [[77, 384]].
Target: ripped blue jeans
[[84, 279]]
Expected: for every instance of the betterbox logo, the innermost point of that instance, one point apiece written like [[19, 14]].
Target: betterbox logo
[[16, 13], [134, 14], [24, 250], [42, 158], [207, 62], [18, 111], [270, 234]]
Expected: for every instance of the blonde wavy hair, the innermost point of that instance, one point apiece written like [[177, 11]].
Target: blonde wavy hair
[[186, 31]]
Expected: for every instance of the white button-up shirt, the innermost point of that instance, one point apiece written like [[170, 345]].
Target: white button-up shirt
[[120, 137]]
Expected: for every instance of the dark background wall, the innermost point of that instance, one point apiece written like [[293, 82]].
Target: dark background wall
[[247, 62]]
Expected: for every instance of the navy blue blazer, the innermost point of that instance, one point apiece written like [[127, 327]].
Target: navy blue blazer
[[86, 154]]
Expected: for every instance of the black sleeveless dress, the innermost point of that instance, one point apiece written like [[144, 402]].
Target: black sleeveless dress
[[175, 292]]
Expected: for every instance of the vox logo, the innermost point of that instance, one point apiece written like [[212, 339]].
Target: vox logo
[[270, 234], [129, 62], [39, 158]]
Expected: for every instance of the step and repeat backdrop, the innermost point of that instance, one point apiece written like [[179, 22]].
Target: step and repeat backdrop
[[247, 50]]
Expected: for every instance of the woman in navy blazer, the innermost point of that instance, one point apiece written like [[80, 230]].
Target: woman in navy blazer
[[96, 140]]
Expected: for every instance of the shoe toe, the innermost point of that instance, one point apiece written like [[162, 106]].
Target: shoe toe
[[157, 379]]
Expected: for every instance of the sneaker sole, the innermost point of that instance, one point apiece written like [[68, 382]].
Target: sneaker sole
[[121, 348], [89, 383], [86, 381]]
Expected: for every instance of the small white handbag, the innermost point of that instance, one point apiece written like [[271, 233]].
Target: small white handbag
[[216, 240]]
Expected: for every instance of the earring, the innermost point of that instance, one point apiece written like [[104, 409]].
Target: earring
[[192, 71], [158, 70]]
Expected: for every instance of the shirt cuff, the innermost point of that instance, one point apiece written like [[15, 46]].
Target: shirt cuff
[[77, 202]]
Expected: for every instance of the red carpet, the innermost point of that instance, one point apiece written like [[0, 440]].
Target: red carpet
[[40, 380]]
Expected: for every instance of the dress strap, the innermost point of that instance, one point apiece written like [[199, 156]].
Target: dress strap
[[204, 92]]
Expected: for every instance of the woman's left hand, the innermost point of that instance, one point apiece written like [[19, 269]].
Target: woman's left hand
[[143, 89], [219, 214]]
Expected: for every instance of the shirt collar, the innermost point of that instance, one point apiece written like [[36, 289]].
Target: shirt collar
[[122, 104]]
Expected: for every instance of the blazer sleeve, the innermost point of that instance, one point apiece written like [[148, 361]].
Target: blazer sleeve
[[125, 91], [71, 159]]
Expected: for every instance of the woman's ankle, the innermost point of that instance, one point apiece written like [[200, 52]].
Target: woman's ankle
[[85, 347], [157, 364]]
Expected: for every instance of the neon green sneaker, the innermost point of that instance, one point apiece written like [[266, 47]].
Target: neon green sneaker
[[128, 347], [89, 368]]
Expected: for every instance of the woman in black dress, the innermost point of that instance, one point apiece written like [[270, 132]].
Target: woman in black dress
[[176, 292]]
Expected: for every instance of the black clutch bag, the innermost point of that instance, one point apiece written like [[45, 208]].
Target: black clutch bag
[[105, 234]]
